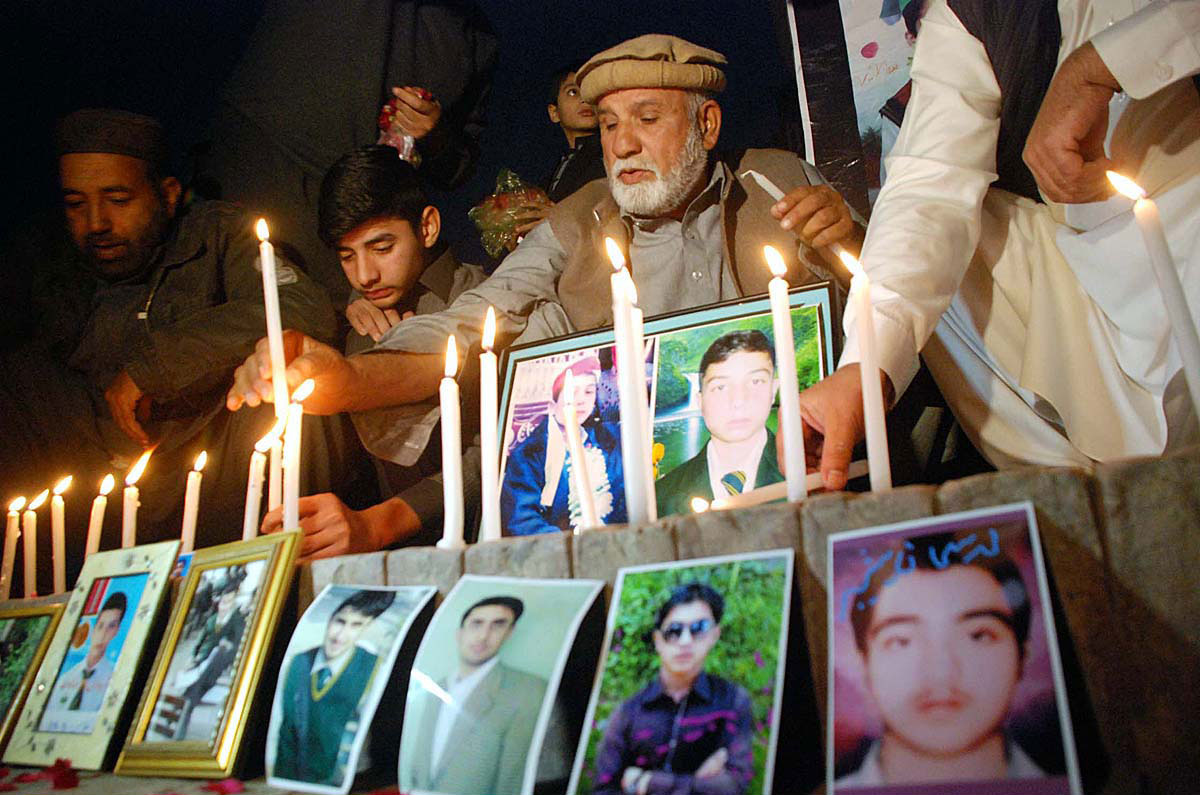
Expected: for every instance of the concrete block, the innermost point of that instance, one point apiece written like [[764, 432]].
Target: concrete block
[[762, 527], [365, 569], [1151, 512], [440, 568], [597, 554], [539, 556]]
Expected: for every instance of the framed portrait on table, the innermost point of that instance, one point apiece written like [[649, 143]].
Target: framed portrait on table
[[481, 696], [194, 710], [690, 680], [335, 671], [26, 627], [694, 362], [78, 699], [944, 672]]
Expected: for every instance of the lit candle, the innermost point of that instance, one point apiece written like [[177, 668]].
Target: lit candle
[[580, 477], [452, 482], [291, 455], [254, 482], [489, 467], [1179, 315], [872, 388], [266, 256], [58, 534], [191, 504], [643, 402], [632, 431], [275, 476], [790, 426], [699, 505], [29, 533], [96, 521], [130, 502], [11, 535]]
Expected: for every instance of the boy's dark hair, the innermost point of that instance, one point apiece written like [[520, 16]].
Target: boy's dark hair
[[368, 603], [511, 602], [370, 182], [558, 77], [691, 592], [923, 550], [116, 601], [752, 341]]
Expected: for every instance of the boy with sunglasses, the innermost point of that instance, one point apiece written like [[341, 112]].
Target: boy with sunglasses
[[688, 730]]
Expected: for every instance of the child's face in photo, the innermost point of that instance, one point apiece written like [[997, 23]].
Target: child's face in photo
[[942, 660], [342, 631], [736, 395], [585, 400]]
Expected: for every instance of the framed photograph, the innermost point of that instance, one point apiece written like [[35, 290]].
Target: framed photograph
[[690, 682], [338, 663], [729, 347], [194, 710], [76, 703], [944, 670], [25, 632], [483, 686]]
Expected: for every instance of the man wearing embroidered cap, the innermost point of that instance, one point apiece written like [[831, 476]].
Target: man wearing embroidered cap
[[693, 224]]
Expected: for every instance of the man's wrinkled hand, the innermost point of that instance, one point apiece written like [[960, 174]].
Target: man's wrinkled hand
[[832, 410], [369, 320], [306, 358], [123, 397], [817, 213], [418, 112], [1065, 147], [530, 216], [331, 528]]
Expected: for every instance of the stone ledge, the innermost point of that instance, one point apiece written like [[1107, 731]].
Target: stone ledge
[[537, 557]]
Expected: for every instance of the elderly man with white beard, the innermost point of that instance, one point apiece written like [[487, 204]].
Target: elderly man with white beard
[[693, 224]]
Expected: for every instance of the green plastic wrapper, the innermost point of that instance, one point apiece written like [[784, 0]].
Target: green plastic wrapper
[[497, 216]]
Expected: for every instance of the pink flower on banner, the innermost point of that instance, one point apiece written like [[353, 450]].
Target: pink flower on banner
[[870, 49], [226, 786], [758, 660]]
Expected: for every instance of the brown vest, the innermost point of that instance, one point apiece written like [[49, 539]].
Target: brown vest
[[584, 219]]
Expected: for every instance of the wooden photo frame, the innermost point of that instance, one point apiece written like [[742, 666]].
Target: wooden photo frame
[[79, 696], [194, 711], [533, 500], [26, 628]]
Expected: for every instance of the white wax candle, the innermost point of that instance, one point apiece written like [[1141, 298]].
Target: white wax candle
[[12, 533], [452, 482], [58, 535], [872, 387], [266, 255], [632, 431], [130, 502], [275, 477], [29, 535], [580, 478], [489, 467], [643, 403], [191, 504], [96, 520], [790, 426], [254, 484], [291, 466]]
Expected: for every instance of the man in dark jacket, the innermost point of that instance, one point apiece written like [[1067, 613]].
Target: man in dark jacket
[[140, 313]]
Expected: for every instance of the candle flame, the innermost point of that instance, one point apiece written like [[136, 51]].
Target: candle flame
[[138, 468], [774, 261], [201, 460], [264, 444], [107, 484], [451, 357], [302, 392], [614, 253], [1126, 186], [16, 504], [38, 500], [62, 485], [852, 264], [699, 504], [261, 230], [489, 329]]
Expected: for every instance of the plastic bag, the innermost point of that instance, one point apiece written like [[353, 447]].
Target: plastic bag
[[498, 215], [391, 135]]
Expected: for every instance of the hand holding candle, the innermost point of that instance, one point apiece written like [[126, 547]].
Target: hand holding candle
[[12, 533], [130, 502], [191, 504], [790, 425], [58, 534], [266, 255], [452, 482], [96, 521], [489, 525], [581, 479], [29, 534], [291, 455], [872, 386]]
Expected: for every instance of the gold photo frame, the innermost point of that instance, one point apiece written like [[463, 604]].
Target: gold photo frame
[[20, 657], [77, 702], [194, 711]]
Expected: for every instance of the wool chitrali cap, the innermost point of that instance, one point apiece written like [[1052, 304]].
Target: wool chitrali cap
[[652, 61], [111, 131]]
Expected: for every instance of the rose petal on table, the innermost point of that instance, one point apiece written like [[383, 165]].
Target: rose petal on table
[[227, 786]]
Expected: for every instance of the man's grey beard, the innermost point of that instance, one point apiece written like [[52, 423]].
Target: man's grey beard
[[661, 196]]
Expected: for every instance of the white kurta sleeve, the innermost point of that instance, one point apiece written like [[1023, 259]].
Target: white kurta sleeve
[[1152, 48], [926, 221]]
